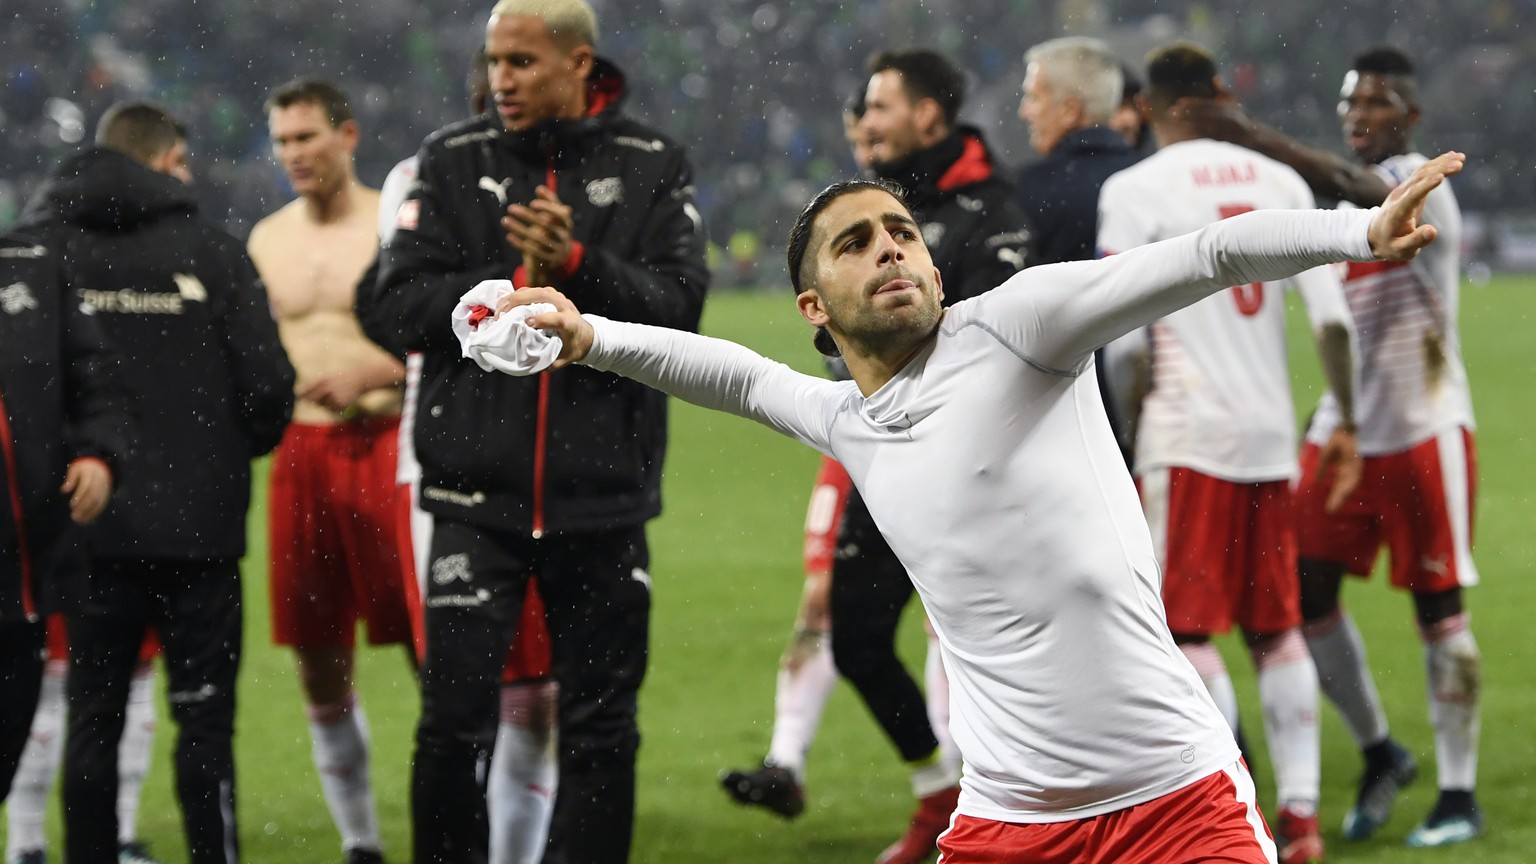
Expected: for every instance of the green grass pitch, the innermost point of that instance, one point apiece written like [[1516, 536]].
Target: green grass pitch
[[727, 579]]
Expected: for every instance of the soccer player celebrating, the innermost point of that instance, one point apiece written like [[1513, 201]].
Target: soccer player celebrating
[[1417, 486], [1216, 444], [1418, 479], [982, 450]]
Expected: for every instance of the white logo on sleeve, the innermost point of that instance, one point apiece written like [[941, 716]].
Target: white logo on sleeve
[[497, 189], [16, 298], [190, 287], [639, 575]]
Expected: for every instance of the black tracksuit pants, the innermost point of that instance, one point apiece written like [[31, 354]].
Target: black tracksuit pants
[[597, 602], [870, 589], [195, 608], [22, 645]]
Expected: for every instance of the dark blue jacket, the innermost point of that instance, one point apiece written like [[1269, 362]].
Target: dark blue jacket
[[1060, 193]]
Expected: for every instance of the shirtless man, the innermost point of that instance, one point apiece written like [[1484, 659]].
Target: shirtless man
[[333, 552]]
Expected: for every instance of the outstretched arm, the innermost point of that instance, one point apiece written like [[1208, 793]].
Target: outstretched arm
[[1056, 315], [712, 373]]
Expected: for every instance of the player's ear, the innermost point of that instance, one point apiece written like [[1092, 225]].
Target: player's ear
[[811, 308], [349, 133], [938, 282], [581, 61]]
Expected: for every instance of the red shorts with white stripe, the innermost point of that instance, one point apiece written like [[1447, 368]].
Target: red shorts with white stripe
[[1418, 503], [331, 517], [1211, 820], [58, 642], [527, 659], [1228, 551], [824, 515]]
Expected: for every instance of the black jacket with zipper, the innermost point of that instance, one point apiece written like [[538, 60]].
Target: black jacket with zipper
[[578, 451], [60, 401], [209, 381]]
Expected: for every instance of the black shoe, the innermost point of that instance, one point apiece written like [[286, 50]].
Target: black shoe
[[30, 856], [360, 855], [770, 787], [1388, 770], [1455, 819]]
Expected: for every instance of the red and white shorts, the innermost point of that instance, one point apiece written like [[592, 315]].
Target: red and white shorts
[[1418, 503], [1228, 551], [528, 658], [331, 518], [1211, 820]]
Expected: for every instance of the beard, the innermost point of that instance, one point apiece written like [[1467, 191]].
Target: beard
[[892, 325]]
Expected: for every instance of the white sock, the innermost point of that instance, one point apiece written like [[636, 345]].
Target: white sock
[[27, 807], [520, 792], [1345, 676], [340, 735], [1455, 680], [1288, 692], [933, 775], [936, 689], [1218, 682], [135, 751], [806, 680]]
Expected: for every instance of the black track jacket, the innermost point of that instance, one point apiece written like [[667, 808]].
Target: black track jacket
[[210, 384], [59, 401], [575, 452], [970, 217]]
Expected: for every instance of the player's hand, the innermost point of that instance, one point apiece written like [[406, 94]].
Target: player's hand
[[1221, 118], [88, 483], [566, 321], [1395, 232], [1340, 458], [541, 230], [338, 392]]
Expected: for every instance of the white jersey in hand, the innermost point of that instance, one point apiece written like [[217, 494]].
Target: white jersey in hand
[[1221, 393], [1413, 384], [991, 470]]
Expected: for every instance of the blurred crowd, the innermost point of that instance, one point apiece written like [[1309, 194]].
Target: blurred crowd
[[753, 88]]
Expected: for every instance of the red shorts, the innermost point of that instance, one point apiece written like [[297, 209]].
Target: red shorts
[[332, 516], [529, 656], [1418, 503], [824, 515], [1210, 820], [58, 642], [1228, 551]]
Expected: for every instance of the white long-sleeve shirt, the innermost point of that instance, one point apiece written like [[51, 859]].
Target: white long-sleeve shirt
[[988, 465]]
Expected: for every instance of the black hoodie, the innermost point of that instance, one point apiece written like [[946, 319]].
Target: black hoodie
[[210, 384], [579, 451], [972, 225]]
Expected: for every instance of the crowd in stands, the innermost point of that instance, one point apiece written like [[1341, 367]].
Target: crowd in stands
[[752, 87]]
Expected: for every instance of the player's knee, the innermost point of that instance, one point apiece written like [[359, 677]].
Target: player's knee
[[1320, 584], [1431, 609]]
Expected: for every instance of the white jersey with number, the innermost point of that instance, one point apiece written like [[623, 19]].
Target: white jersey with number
[[990, 468], [1220, 401], [1413, 385]]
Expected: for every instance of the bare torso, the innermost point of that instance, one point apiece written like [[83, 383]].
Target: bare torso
[[311, 269]]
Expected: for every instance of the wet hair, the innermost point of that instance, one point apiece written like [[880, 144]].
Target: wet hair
[[801, 232], [1083, 69], [142, 130], [1391, 63], [570, 22], [312, 91], [1180, 70], [925, 75]]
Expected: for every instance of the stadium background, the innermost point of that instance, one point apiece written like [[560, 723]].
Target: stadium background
[[753, 88]]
